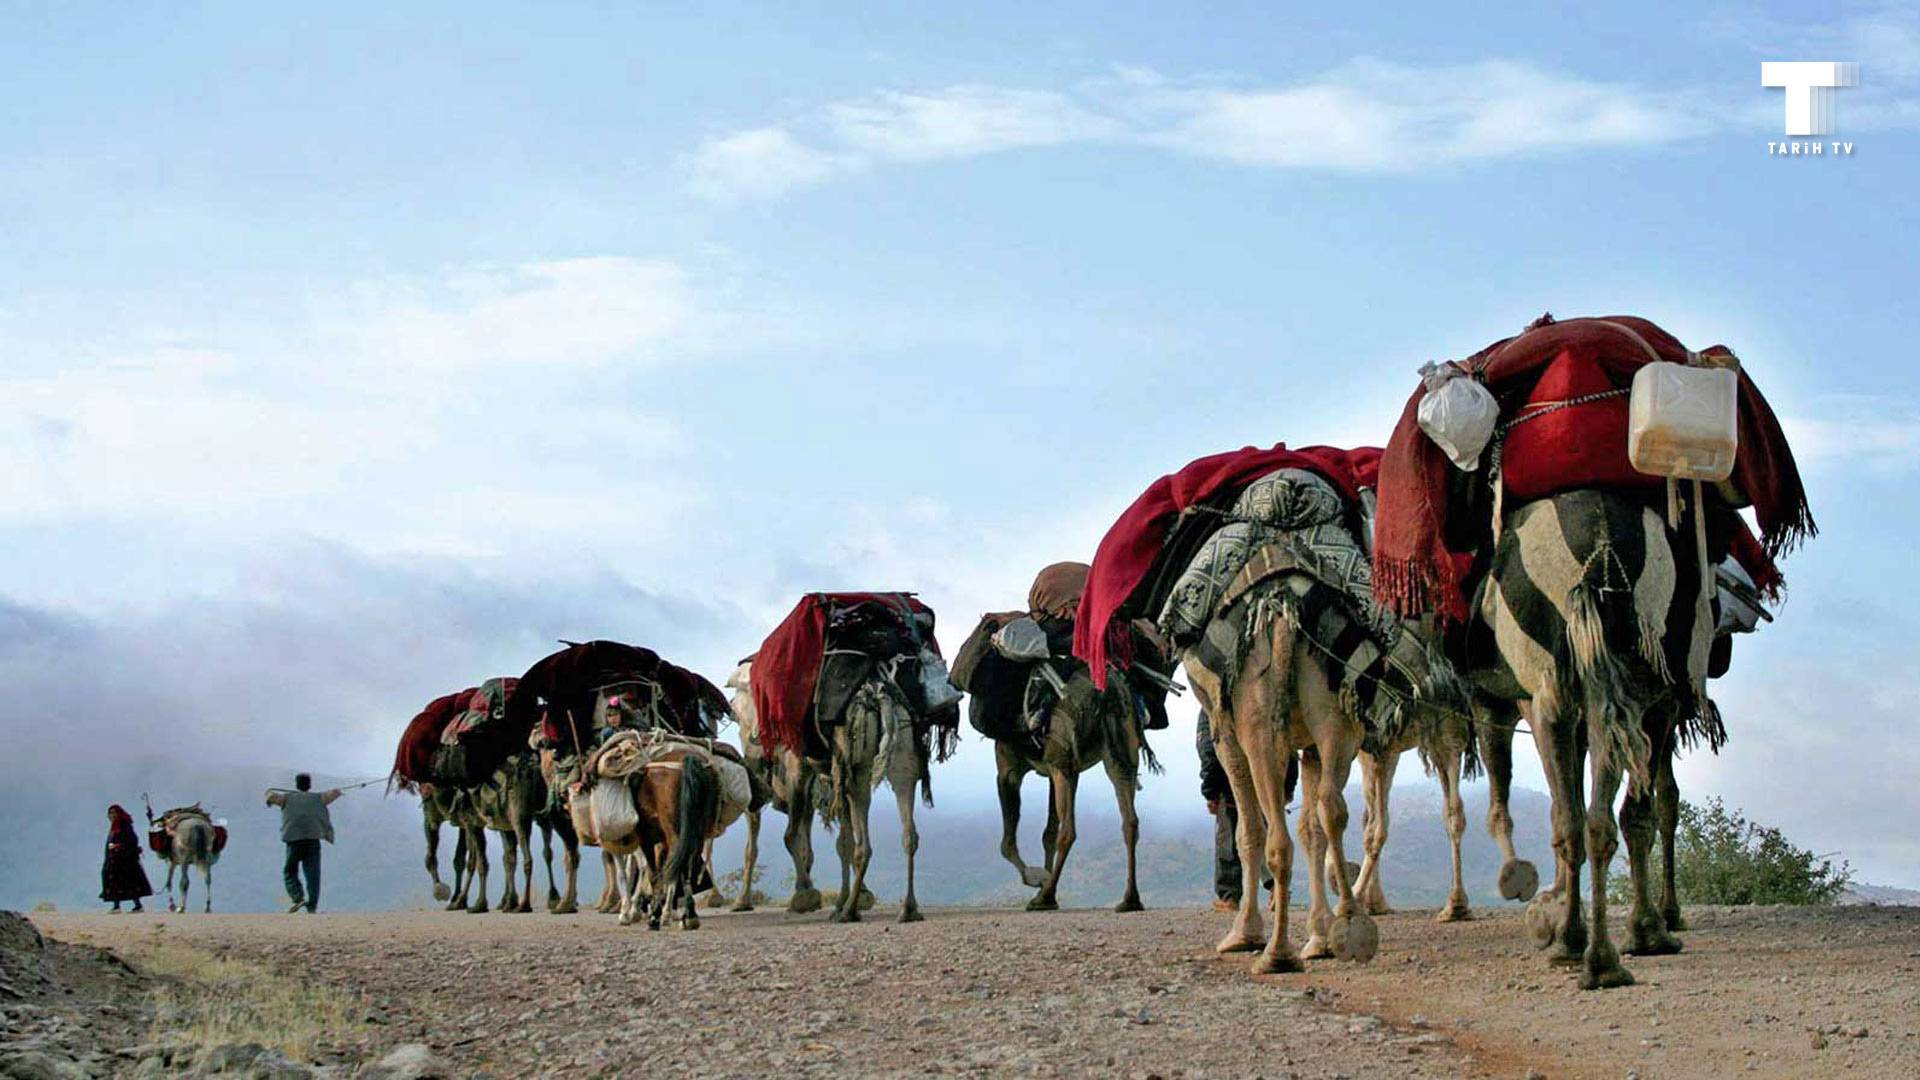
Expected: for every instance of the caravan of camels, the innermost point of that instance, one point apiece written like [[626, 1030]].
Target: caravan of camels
[[1552, 534]]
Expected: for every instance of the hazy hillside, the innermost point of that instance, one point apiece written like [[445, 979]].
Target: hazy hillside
[[52, 827]]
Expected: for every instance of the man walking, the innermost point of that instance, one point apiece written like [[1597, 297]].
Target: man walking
[[304, 822], [1219, 795]]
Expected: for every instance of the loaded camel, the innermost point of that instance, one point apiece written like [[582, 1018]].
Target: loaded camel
[[1255, 565], [1057, 723], [1590, 602], [851, 687]]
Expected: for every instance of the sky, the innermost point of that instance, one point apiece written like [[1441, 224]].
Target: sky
[[352, 356]]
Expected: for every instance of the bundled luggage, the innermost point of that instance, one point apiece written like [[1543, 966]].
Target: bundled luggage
[[808, 670], [1016, 664]]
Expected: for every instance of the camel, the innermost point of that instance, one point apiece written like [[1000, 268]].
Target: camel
[[191, 841], [1087, 727], [442, 804], [513, 803], [1055, 722], [869, 662], [1450, 754], [798, 791], [1277, 704]]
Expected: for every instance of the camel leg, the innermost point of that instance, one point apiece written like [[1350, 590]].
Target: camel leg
[[1313, 842], [610, 893], [1066, 785], [1009, 771], [1125, 785], [1553, 917], [856, 840], [477, 865], [1376, 784], [1666, 812], [745, 902], [1602, 967], [462, 874], [909, 843], [509, 861], [546, 857], [1647, 933], [1049, 834], [432, 829], [1448, 766], [1265, 766], [1519, 879], [805, 897], [1246, 933], [1354, 935], [570, 846]]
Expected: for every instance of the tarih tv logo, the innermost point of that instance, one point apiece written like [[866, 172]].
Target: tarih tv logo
[[1810, 86]]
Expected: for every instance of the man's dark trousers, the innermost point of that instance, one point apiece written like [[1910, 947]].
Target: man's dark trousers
[[303, 856]]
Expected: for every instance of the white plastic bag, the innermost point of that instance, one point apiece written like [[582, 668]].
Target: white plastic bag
[[1458, 414], [1021, 640]]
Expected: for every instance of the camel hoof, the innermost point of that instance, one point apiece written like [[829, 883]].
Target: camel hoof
[[477, 909], [1234, 943], [1605, 976], [1356, 937], [1519, 880], [1043, 903], [1131, 903], [1675, 922], [1454, 912], [691, 922], [1316, 948], [1650, 938], [844, 915], [803, 901], [1032, 878], [866, 899], [442, 893], [565, 908], [1276, 964], [627, 919], [1543, 922], [741, 906], [912, 914]]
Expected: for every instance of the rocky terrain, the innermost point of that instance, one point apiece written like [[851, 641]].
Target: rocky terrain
[[1760, 992]]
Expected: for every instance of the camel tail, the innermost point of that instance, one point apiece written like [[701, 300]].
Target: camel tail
[[698, 809], [1602, 682]]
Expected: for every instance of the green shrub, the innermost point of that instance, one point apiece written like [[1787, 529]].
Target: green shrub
[[1720, 857]]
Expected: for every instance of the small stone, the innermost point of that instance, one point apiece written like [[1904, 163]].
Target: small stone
[[412, 1061], [1818, 1041]]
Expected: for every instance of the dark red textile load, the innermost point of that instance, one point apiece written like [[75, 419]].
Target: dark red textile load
[[788, 664], [413, 762], [1414, 568], [1129, 552], [564, 687]]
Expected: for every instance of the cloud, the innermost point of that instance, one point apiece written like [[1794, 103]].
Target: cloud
[[418, 381], [557, 312], [1365, 116], [1877, 432]]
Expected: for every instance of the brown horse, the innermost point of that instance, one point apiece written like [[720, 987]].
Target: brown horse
[[662, 813]]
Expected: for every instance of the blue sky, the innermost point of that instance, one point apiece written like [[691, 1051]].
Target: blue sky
[[348, 358]]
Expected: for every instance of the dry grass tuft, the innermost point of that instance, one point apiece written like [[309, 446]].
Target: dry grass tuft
[[207, 1000]]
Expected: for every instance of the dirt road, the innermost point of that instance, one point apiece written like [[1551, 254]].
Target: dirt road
[[1760, 992]]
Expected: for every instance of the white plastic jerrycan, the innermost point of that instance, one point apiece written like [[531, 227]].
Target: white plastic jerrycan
[[1684, 421]]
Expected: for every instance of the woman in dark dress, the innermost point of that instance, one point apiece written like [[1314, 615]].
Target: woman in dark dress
[[121, 876]]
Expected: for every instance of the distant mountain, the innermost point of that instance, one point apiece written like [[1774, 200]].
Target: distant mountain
[[53, 825], [1884, 895]]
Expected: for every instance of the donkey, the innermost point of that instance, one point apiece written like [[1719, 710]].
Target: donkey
[[657, 818], [191, 842]]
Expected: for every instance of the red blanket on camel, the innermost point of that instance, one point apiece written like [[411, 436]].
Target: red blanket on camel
[[1133, 545], [1415, 571], [787, 666], [413, 763]]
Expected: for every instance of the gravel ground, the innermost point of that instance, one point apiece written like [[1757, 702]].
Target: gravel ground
[[1767, 992]]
